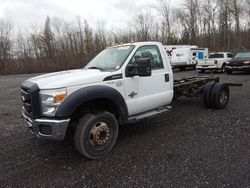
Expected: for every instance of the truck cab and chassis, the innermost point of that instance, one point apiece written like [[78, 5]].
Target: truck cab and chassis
[[121, 85]]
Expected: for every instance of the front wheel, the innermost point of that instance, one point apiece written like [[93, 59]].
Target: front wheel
[[96, 134], [229, 71]]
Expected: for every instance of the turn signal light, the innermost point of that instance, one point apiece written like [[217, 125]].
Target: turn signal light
[[59, 98]]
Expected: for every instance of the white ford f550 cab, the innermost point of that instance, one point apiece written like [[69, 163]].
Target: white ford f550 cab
[[122, 84]]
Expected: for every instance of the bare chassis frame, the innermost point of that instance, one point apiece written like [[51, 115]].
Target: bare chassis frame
[[193, 86]]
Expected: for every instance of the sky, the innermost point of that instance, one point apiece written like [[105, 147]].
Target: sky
[[26, 13]]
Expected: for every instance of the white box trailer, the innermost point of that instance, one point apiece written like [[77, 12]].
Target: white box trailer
[[170, 48], [183, 58]]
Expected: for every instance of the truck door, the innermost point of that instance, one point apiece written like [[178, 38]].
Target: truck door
[[146, 93]]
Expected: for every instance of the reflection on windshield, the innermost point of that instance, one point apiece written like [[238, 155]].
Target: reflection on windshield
[[242, 55], [110, 59]]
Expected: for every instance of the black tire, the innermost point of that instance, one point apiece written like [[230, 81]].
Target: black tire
[[206, 94], [220, 96], [96, 135], [229, 71], [223, 68]]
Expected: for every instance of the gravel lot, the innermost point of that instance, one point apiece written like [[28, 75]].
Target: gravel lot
[[191, 146]]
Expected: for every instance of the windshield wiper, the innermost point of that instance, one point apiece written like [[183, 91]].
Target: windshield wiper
[[95, 68]]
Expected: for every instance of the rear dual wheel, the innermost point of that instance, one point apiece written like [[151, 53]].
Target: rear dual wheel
[[206, 94], [216, 95]]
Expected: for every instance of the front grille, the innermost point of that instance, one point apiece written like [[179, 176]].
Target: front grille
[[236, 64], [45, 129], [30, 99]]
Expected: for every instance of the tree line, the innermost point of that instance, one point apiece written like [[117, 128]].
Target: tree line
[[220, 25]]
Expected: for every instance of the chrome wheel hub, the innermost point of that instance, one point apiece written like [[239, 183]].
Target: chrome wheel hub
[[100, 134]]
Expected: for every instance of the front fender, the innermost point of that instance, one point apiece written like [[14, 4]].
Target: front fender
[[81, 96]]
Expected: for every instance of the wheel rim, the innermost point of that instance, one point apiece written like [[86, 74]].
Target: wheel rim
[[100, 134], [223, 96]]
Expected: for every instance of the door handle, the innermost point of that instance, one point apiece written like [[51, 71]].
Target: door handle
[[166, 77]]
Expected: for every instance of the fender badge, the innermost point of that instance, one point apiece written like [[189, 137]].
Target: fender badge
[[119, 83]]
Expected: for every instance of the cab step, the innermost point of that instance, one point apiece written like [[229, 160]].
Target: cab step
[[148, 114]]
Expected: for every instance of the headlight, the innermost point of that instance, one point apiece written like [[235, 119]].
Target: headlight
[[51, 99]]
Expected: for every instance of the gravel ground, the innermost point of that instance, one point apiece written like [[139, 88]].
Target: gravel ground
[[191, 146]]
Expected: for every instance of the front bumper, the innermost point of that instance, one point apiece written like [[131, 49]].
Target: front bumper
[[239, 68], [182, 65], [52, 129], [207, 67]]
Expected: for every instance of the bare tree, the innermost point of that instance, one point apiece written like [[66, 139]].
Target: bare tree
[[192, 12], [143, 23], [46, 39], [224, 24], [163, 6], [208, 22], [60, 44], [6, 44], [236, 9]]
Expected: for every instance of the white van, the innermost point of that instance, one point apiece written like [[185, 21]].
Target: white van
[[188, 57]]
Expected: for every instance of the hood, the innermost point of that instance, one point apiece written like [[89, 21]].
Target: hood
[[69, 78], [240, 60]]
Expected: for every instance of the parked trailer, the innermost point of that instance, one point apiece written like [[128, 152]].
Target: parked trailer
[[170, 48], [188, 57]]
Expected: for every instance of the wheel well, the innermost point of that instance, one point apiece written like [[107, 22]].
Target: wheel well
[[94, 106]]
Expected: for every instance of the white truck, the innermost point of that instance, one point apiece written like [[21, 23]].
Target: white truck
[[188, 57], [215, 62], [122, 84]]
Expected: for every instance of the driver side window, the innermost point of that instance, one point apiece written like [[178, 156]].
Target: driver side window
[[151, 52]]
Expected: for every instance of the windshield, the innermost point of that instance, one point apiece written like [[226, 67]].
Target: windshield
[[110, 59], [244, 55], [213, 56]]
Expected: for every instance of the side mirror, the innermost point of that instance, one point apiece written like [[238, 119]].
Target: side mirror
[[142, 68]]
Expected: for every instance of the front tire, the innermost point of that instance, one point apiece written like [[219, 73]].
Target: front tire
[[229, 71], [96, 134]]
